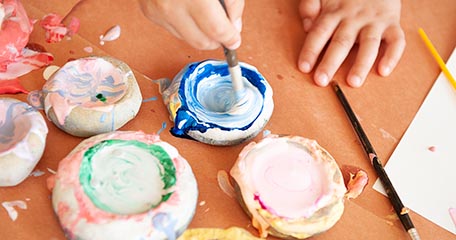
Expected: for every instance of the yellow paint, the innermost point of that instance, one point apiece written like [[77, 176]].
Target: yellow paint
[[217, 233]]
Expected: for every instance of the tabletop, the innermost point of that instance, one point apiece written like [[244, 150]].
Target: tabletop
[[272, 38]]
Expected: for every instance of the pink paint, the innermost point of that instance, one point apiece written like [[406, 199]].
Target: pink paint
[[452, 212], [56, 30], [87, 211], [15, 59], [432, 148], [290, 180], [71, 87], [356, 184], [11, 87]]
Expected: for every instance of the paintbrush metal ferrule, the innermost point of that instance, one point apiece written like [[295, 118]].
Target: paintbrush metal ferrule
[[399, 208]]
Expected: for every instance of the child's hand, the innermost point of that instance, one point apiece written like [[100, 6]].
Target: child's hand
[[342, 23], [202, 23]]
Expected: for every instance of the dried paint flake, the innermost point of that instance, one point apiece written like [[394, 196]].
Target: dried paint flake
[[49, 71], [224, 183], [111, 35], [37, 173], [405, 210], [56, 30], [10, 208], [356, 184]]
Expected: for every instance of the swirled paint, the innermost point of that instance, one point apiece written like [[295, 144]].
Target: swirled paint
[[204, 106], [88, 82], [19, 122], [112, 174], [124, 185], [290, 184]]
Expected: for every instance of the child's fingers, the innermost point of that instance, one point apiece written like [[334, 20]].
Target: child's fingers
[[369, 44], [395, 44], [315, 41], [341, 43], [216, 25], [235, 9], [309, 10], [186, 27]]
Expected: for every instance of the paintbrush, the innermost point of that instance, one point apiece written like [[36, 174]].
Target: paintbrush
[[233, 64], [399, 208]]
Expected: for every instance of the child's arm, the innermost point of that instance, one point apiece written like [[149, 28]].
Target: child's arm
[[201, 23], [341, 24]]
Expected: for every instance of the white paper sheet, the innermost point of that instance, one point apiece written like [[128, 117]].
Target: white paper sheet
[[424, 179]]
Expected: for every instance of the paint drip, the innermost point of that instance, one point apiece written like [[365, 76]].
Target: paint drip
[[110, 35]]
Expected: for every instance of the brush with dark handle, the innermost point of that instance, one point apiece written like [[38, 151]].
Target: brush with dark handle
[[233, 63]]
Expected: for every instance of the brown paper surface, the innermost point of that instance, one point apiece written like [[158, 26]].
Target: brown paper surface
[[272, 37]]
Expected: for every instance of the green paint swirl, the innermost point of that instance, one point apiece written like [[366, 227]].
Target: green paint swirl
[[115, 174]]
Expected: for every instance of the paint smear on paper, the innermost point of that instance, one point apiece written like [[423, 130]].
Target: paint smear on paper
[[10, 208], [453, 215], [111, 35], [432, 148]]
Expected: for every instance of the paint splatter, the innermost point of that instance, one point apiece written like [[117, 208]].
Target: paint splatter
[[101, 97], [432, 148], [10, 208], [88, 49], [162, 128], [387, 135], [56, 30], [266, 133], [453, 215], [202, 203], [280, 77], [37, 173], [150, 99], [111, 35]]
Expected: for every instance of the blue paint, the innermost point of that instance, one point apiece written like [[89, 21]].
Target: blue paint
[[162, 128], [165, 223], [150, 99], [7, 122], [206, 96]]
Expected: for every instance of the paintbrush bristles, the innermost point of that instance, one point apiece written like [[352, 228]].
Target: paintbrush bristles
[[236, 78]]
